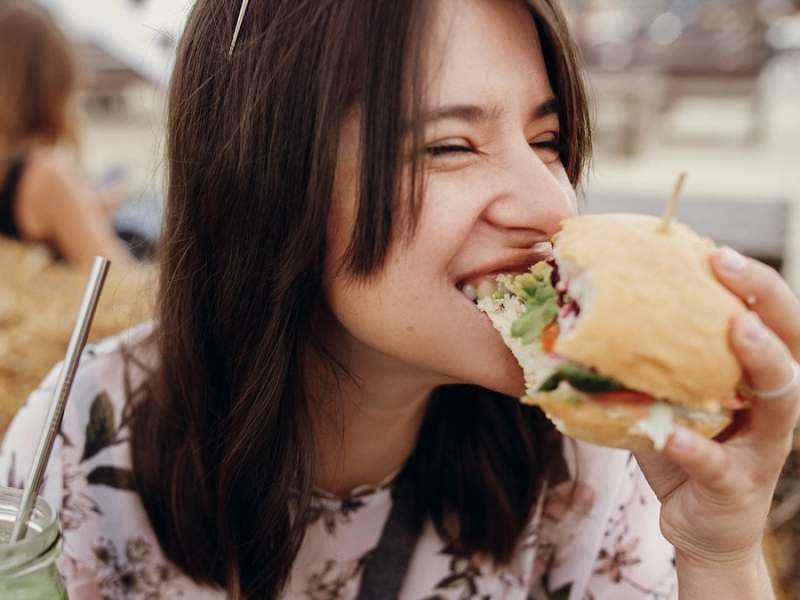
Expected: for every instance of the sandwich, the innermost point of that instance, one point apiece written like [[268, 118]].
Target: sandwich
[[623, 332]]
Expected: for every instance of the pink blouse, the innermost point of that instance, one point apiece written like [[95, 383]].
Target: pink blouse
[[597, 538]]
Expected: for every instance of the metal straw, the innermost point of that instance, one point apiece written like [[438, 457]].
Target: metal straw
[[80, 332]]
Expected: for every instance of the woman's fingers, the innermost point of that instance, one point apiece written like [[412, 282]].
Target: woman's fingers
[[767, 341], [663, 475], [703, 460], [768, 366], [765, 291]]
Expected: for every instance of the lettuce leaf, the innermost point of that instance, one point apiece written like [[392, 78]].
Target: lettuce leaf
[[536, 291], [581, 378]]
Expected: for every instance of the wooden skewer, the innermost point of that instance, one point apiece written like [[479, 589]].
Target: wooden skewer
[[672, 205]]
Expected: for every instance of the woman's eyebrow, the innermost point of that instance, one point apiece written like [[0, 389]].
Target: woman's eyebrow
[[476, 114], [551, 106]]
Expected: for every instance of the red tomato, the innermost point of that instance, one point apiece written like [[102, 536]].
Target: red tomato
[[623, 397]]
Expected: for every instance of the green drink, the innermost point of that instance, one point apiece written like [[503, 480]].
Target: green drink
[[28, 567]]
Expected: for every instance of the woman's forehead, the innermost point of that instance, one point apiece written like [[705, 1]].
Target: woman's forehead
[[482, 51]]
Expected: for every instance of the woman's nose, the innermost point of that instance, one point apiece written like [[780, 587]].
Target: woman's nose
[[534, 196]]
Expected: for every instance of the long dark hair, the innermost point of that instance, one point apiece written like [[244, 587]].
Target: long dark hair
[[222, 452]]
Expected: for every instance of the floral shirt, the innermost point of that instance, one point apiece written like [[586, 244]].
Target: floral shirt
[[596, 537]]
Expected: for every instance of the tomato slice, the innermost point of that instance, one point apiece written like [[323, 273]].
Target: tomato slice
[[623, 397], [549, 336]]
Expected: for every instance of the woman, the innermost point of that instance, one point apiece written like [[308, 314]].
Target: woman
[[41, 199], [318, 411]]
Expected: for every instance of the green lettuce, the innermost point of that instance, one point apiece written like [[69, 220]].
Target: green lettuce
[[536, 291], [580, 378]]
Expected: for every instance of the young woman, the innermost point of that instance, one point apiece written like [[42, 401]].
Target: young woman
[[41, 198], [318, 411]]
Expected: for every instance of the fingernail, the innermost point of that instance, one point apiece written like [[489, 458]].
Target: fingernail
[[753, 330], [731, 261], [681, 439]]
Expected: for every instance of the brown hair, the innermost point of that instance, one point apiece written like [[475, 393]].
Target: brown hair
[[38, 77], [221, 446]]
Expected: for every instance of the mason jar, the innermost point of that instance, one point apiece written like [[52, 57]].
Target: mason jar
[[28, 567]]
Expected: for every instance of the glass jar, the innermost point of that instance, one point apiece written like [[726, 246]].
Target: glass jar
[[28, 567]]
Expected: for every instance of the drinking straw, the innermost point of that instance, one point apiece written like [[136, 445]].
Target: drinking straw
[[77, 341]]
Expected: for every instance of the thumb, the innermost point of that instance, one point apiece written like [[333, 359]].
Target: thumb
[[662, 475]]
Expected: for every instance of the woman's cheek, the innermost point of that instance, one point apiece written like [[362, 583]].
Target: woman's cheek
[[457, 197]]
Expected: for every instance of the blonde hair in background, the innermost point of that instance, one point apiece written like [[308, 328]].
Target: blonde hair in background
[[38, 80]]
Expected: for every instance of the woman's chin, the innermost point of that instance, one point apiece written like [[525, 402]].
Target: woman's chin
[[493, 367], [513, 385], [502, 374]]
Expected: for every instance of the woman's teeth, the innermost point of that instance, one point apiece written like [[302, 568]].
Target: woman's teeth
[[486, 288], [479, 288]]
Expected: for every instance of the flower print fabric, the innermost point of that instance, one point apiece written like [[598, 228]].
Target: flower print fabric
[[594, 534]]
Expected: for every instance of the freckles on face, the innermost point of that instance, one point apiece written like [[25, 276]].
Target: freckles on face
[[487, 202]]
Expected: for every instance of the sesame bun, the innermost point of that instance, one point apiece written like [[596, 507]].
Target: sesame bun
[[653, 316]]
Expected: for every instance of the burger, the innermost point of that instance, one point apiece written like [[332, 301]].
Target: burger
[[623, 332]]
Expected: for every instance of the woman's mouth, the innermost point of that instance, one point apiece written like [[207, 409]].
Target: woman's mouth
[[482, 284]]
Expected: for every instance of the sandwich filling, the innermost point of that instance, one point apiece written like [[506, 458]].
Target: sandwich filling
[[531, 311]]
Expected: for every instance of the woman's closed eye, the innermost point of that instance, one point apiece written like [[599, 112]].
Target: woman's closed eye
[[549, 146], [448, 148]]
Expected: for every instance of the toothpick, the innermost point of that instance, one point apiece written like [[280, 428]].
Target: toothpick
[[672, 205]]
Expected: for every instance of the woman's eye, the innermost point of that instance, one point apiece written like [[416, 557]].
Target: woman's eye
[[445, 149], [551, 146]]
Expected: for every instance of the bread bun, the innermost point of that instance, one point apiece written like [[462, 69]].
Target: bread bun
[[615, 426], [653, 315]]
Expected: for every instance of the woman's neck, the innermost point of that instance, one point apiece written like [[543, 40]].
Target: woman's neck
[[367, 424], [364, 445]]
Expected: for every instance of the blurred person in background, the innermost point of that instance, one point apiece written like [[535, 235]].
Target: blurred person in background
[[42, 199]]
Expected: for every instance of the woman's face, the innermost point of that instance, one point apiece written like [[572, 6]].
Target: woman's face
[[495, 188]]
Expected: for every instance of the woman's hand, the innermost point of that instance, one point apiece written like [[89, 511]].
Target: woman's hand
[[716, 495]]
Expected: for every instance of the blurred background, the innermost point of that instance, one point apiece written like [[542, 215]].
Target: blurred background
[[707, 87], [126, 50]]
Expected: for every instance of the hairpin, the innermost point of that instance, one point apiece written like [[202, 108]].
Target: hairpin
[[242, 10]]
